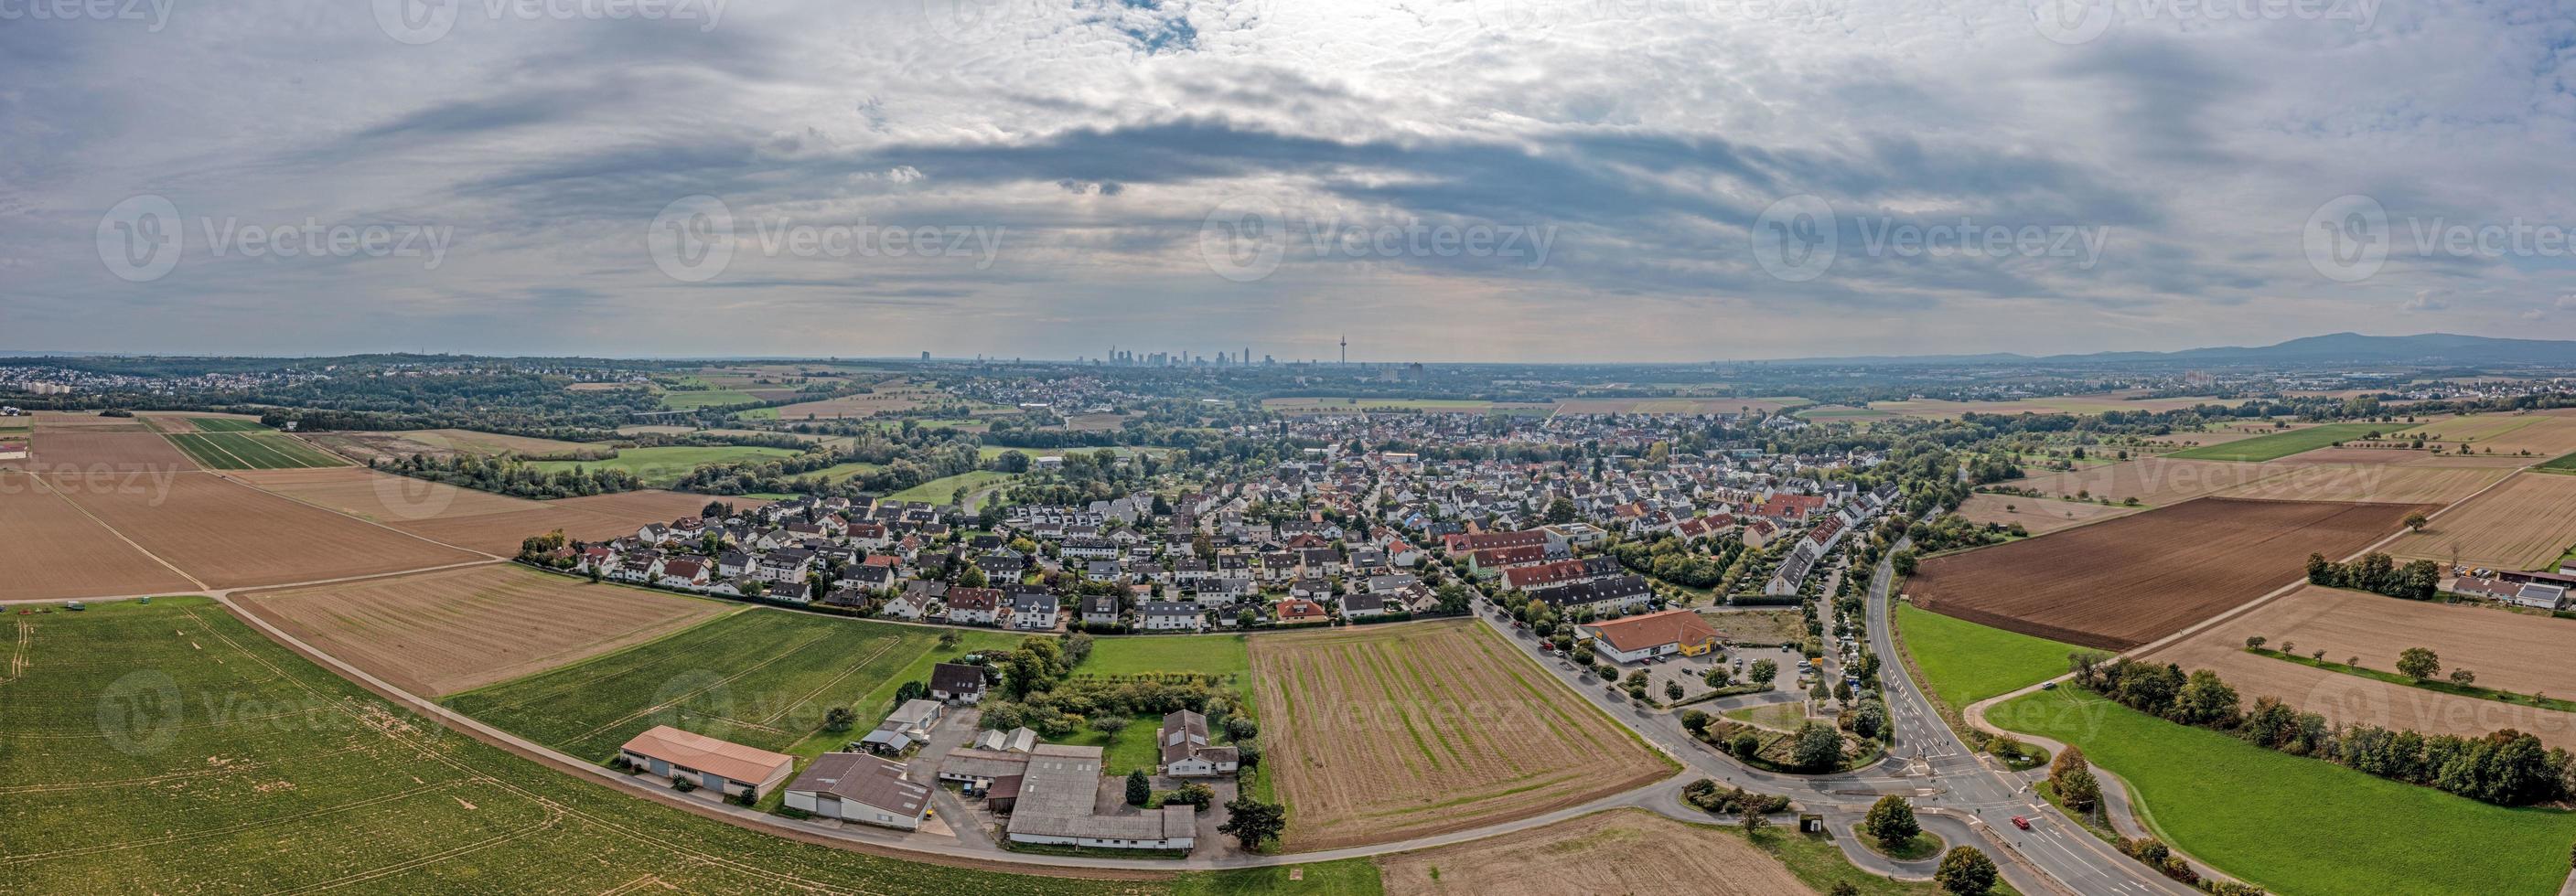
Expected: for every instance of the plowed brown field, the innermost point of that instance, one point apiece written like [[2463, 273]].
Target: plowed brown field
[[2038, 516], [88, 451], [1621, 851], [230, 535], [2154, 481], [1392, 732], [51, 550], [2508, 651], [2132, 580], [438, 633], [381, 497], [2373, 483]]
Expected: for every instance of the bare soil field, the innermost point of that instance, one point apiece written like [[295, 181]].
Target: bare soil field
[[2406, 457], [1392, 732], [2039, 516], [2154, 481], [1757, 626], [438, 633], [2508, 651], [51, 550], [2129, 581], [56, 421], [596, 518], [447, 443], [229, 535], [2370, 483], [379, 497], [83, 451], [2526, 523], [2056, 404], [1678, 405], [890, 397], [1623, 851]]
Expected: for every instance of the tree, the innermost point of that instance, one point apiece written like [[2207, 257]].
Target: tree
[[1763, 672], [1843, 888], [1817, 748], [1719, 676], [2419, 663], [1891, 822], [1560, 511], [2463, 677], [2415, 521], [2080, 790], [2256, 642], [1139, 789], [1695, 721], [1252, 822], [1754, 822], [1744, 745], [838, 719], [1966, 871], [1673, 689], [910, 690]]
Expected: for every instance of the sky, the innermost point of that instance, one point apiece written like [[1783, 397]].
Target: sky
[[1439, 180]]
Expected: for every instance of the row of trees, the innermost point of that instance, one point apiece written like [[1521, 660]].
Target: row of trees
[[2507, 768], [2378, 573]]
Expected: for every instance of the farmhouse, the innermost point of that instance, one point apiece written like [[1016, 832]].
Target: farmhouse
[[1058, 803], [861, 788], [723, 766], [907, 725], [980, 767], [957, 683], [1186, 750], [1640, 638]]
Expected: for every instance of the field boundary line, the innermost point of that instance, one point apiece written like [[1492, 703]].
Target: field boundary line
[[18, 656], [488, 557], [120, 535], [890, 642]]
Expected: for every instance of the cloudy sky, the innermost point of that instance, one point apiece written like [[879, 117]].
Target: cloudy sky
[[1670, 180]]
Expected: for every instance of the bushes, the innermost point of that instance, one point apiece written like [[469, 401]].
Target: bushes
[[2378, 574], [2506, 768], [1705, 794]]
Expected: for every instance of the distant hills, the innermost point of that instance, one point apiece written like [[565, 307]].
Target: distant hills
[[2438, 349]]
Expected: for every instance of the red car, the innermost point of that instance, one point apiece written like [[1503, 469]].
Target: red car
[[2020, 822]]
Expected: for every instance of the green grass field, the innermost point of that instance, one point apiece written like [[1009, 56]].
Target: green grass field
[[1212, 654], [2298, 825], [169, 748], [759, 678], [837, 472], [227, 424], [2566, 464], [1964, 662], [2281, 444], [703, 398], [660, 467], [944, 489], [245, 450], [1347, 877]]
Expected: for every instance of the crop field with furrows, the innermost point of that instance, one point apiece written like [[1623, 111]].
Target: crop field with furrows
[[2130, 581], [229, 535], [2526, 523], [761, 678], [83, 451], [54, 551], [252, 451], [2281, 444], [1381, 734], [170, 748]]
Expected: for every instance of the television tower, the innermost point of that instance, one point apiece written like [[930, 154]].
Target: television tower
[[1346, 350]]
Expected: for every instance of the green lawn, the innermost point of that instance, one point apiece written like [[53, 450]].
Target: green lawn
[[2298, 825], [1347, 877], [1130, 749], [227, 424], [842, 471], [2565, 464], [243, 450], [660, 467], [1964, 662], [762, 678], [1775, 716], [701, 398], [2282, 444], [1213, 654], [944, 490], [171, 749]]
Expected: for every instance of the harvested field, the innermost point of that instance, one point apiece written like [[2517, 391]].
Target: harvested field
[[1679, 405], [1598, 853], [2405, 457], [229, 535], [56, 421], [595, 518], [2526, 523], [2129, 581], [2154, 481], [2544, 434], [2280, 444], [1455, 728], [86, 451], [380, 497], [449, 443], [252, 451], [438, 633], [2038, 516], [889, 397], [2056, 404], [2370, 483], [53, 551], [2508, 651]]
